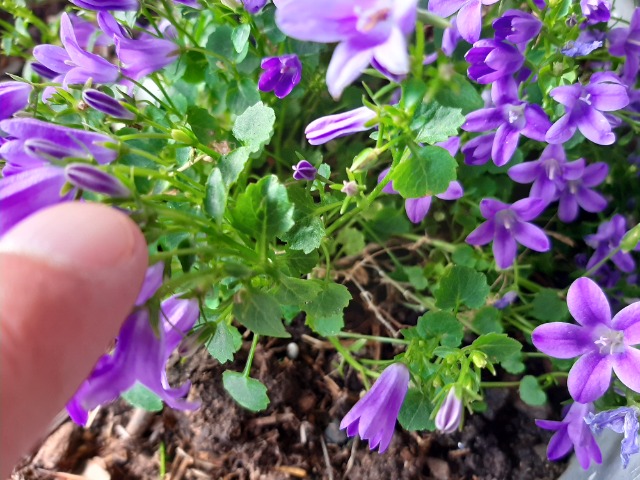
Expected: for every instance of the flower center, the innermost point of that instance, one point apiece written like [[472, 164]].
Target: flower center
[[552, 167], [507, 218], [515, 116], [586, 98], [610, 342], [369, 19]]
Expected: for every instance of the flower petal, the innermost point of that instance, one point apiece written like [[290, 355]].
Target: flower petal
[[347, 63], [482, 234], [588, 304], [562, 340], [531, 236], [469, 20], [417, 208], [590, 377], [561, 131], [504, 247], [504, 144], [628, 320], [559, 445], [627, 367], [595, 126]]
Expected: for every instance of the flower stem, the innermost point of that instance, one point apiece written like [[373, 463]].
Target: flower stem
[[252, 352], [350, 360]]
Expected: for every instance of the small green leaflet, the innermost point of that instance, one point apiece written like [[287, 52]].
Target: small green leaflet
[[255, 126], [141, 397], [441, 325], [215, 200], [530, 391], [428, 171], [462, 285], [225, 342], [436, 123], [415, 412], [260, 313], [248, 392]]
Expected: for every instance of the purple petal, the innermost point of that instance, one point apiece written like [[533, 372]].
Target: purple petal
[[504, 144], [595, 126], [529, 208], [483, 120], [627, 367], [453, 192], [525, 172], [445, 8], [590, 377], [504, 247], [628, 320], [608, 97], [538, 123], [567, 95], [562, 340], [559, 446], [469, 21], [591, 201], [568, 208], [392, 54], [347, 63], [588, 303], [482, 234], [531, 237], [53, 57], [595, 174], [489, 207], [417, 208], [561, 131]]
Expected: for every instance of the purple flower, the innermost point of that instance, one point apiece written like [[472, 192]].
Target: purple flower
[[508, 224], [584, 106], [369, 31], [607, 239], [450, 413], [469, 18], [106, 104], [621, 420], [581, 47], [141, 354], [625, 42], [540, 3], [14, 96], [507, 299], [327, 128], [517, 26], [511, 117], [450, 38], [254, 6], [477, 151], [492, 60], [303, 170], [603, 344], [374, 416], [572, 433], [578, 192], [104, 5], [73, 64], [88, 177], [596, 11], [87, 34], [280, 74]]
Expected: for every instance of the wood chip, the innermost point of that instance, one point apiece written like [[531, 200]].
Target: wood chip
[[293, 471]]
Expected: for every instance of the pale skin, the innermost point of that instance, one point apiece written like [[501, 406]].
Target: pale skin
[[69, 275]]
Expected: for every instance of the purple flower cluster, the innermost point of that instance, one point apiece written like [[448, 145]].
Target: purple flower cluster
[[621, 420], [140, 354]]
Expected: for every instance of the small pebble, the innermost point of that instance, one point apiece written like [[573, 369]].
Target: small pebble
[[333, 434], [293, 350]]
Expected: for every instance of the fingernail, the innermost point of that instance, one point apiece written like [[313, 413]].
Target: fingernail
[[74, 234]]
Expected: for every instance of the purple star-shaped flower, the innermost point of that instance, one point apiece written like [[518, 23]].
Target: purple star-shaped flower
[[369, 32], [477, 151], [572, 433], [596, 11], [507, 225], [517, 27], [73, 64], [491, 59], [621, 420], [584, 106], [469, 19], [569, 182], [602, 343], [141, 354], [281, 74], [374, 416], [607, 239], [511, 117]]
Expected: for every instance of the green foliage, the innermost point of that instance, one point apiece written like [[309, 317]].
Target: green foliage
[[248, 392], [260, 312], [487, 320], [462, 286], [428, 171], [416, 411], [548, 307], [498, 347], [202, 124], [215, 202], [255, 126], [441, 325], [331, 300], [140, 396], [436, 123], [530, 391], [225, 342]]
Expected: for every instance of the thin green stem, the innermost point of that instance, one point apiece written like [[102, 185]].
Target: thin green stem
[[373, 338], [350, 360], [252, 352]]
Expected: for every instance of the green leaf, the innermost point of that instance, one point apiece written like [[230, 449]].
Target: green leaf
[[301, 263], [442, 325], [352, 240], [428, 171], [263, 210], [460, 93], [141, 397], [462, 285], [416, 277], [260, 313], [225, 342], [232, 165], [464, 255], [215, 200], [326, 326], [306, 234], [239, 36], [296, 291], [514, 364], [434, 122], [331, 300], [548, 307], [415, 412], [255, 126], [201, 124], [530, 391], [498, 346], [487, 320], [248, 392], [241, 95]]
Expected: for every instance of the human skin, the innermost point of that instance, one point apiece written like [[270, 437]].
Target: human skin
[[69, 275]]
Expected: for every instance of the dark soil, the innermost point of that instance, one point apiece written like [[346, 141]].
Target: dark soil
[[297, 437]]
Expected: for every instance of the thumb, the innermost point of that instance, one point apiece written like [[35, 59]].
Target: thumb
[[69, 275]]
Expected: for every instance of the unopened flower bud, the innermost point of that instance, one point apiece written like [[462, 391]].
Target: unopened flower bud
[[181, 136], [303, 170], [106, 104], [479, 359], [363, 159], [450, 414], [350, 189], [88, 177]]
